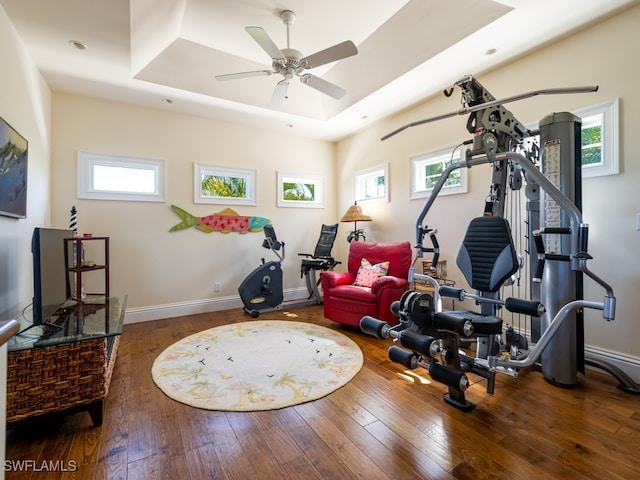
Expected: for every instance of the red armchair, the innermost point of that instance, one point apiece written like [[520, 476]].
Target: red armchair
[[347, 303]]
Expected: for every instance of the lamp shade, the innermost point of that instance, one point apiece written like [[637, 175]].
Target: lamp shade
[[354, 214]]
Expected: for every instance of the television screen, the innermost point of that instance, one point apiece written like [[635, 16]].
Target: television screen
[[50, 275]]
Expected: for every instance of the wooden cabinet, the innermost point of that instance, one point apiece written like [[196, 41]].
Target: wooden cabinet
[[78, 266]]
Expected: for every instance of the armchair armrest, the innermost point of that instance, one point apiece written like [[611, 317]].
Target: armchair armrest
[[334, 278], [388, 282]]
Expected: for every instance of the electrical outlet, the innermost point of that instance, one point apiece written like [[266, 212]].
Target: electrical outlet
[[216, 287]]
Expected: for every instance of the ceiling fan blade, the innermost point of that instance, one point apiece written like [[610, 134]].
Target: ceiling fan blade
[[331, 54], [264, 40], [234, 76], [279, 94], [323, 86]]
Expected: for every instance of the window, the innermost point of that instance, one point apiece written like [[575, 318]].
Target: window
[[105, 176], [427, 169], [592, 141], [599, 139], [371, 184]]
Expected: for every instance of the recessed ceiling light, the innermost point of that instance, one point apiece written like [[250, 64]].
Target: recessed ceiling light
[[364, 117], [167, 100], [491, 51], [78, 44]]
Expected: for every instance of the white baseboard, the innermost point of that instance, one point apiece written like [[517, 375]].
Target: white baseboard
[[627, 363], [192, 307], [158, 312]]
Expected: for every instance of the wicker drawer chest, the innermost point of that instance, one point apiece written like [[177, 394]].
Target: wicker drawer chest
[[66, 367]]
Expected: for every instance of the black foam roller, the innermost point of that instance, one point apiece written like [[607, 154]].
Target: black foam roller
[[452, 323], [402, 356], [417, 343], [372, 326], [526, 307], [451, 292], [395, 308], [583, 239], [445, 375]]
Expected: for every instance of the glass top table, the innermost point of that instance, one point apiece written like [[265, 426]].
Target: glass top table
[[94, 317]]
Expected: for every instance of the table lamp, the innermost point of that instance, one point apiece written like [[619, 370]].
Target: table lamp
[[354, 214]]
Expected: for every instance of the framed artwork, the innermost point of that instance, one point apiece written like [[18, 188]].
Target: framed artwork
[[223, 185], [13, 172], [426, 171], [306, 191], [372, 184]]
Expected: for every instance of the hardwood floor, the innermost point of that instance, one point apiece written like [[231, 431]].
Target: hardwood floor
[[385, 424]]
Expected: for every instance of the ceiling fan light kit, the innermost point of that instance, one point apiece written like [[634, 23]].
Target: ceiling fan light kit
[[290, 63]]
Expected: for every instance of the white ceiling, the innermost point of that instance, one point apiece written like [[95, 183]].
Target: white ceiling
[[144, 51]]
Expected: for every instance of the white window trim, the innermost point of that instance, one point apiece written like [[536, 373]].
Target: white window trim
[[360, 177], [433, 157], [88, 160], [317, 180], [610, 139], [249, 175]]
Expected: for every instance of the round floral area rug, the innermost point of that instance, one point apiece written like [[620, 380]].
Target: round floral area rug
[[256, 365]]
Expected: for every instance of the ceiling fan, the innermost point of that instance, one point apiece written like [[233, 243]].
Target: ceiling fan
[[289, 63]]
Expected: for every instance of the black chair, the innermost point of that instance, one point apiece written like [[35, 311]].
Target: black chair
[[320, 260]]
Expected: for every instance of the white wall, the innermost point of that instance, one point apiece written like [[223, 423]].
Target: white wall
[[24, 104], [603, 55], [165, 273]]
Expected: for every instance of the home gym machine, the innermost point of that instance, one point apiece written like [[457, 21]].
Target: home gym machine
[[262, 290], [434, 339]]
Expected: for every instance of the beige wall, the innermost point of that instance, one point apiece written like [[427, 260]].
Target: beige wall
[[156, 267], [24, 104], [603, 55]]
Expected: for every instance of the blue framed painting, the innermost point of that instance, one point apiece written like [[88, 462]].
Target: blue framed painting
[[13, 172]]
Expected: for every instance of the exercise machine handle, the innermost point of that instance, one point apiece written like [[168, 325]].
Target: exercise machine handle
[[421, 249], [515, 305], [541, 254]]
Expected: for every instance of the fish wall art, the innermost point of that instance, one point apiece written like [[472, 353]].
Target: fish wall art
[[225, 221]]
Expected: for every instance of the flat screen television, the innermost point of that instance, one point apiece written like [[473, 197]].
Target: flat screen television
[[50, 275]]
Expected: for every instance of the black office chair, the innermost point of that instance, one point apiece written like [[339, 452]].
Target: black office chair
[[320, 260]]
